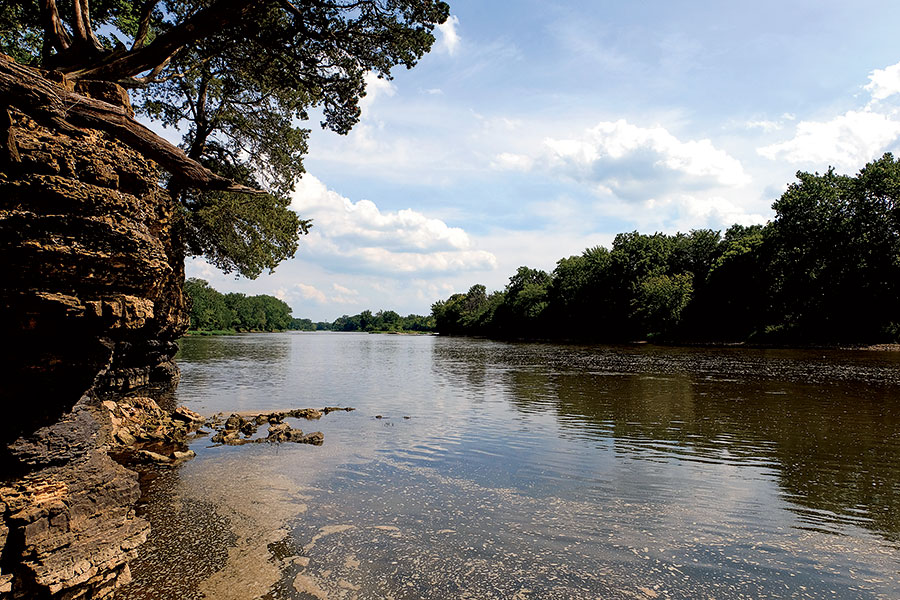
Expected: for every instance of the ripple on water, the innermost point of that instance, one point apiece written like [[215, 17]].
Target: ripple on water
[[542, 471]]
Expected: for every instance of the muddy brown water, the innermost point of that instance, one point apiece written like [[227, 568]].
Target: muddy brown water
[[513, 470]]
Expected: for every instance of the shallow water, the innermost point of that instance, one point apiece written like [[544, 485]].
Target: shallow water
[[533, 471]]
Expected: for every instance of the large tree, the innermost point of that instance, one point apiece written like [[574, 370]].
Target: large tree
[[835, 246], [239, 79]]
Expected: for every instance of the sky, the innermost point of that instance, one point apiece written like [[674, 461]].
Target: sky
[[535, 129]]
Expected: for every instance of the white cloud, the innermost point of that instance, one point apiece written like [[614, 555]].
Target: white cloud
[[884, 83], [508, 161], [614, 146], [449, 38], [683, 212], [765, 126], [375, 87], [847, 141], [344, 290], [358, 235], [850, 140], [344, 295], [311, 292], [618, 161]]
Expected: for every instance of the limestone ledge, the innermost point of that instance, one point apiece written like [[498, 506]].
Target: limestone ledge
[[91, 305]]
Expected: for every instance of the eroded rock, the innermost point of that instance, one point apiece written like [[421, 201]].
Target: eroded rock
[[140, 419], [92, 288], [69, 527], [240, 429], [91, 304]]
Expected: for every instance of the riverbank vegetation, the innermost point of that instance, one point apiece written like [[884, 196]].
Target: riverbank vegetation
[[384, 321], [212, 312], [825, 269]]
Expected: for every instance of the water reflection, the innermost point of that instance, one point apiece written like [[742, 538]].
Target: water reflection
[[829, 426], [542, 471]]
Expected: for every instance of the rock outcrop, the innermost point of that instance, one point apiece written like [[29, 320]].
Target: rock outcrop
[[91, 304], [92, 291], [70, 527], [242, 429]]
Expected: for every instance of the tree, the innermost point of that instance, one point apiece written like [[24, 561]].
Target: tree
[[524, 303], [302, 325], [580, 294], [237, 76], [660, 301], [734, 302], [835, 246], [207, 308]]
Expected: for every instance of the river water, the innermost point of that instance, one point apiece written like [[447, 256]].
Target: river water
[[514, 470]]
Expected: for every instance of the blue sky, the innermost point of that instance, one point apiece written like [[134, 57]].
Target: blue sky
[[536, 129]]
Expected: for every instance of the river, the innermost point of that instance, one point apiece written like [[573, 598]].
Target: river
[[479, 469]]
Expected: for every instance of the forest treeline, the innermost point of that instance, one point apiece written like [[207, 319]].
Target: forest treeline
[[211, 310], [825, 269], [381, 321]]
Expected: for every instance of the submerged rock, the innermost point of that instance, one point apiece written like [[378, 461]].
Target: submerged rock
[[280, 432], [188, 416], [233, 423], [154, 457], [230, 432], [317, 438], [183, 456], [249, 428], [137, 419]]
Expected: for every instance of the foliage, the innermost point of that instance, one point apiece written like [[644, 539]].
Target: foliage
[[826, 269], [660, 301], [247, 233], [23, 44], [237, 78], [836, 259], [211, 310], [208, 310], [381, 321]]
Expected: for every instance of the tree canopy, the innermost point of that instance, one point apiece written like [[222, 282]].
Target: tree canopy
[[211, 310], [825, 269], [238, 78]]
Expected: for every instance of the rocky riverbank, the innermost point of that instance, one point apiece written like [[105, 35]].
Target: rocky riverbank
[[69, 530], [91, 305]]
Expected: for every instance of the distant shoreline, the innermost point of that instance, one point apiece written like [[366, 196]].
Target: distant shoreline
[[216, 332], [750, 345]]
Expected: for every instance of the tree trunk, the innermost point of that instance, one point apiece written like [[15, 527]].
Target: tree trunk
[[204, 23], [30, 92]]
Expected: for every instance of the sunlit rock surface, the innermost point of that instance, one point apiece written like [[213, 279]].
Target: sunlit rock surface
[[91, 304]]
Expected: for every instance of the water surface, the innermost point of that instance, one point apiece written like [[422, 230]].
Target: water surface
[[502, 470]]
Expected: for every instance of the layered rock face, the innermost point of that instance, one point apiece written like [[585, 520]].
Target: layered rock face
[[69, 526], [91, 304], [93, 281]]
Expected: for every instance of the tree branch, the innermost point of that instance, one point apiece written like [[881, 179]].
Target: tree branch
[[27, 90], [54, 33], [92, 37], [151, 77], [204, 23], [79, 29], [144, 24]]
